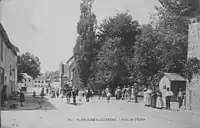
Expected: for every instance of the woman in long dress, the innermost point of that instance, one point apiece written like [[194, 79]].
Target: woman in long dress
[[159, 101], [145, 97], [148, 97]]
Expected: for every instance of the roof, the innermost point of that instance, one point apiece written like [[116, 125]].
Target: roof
[[4, 35], [72, 66], [174, 77], [41, 78], [70, 59], [25, 75]]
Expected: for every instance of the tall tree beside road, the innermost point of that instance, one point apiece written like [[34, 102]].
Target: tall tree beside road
[[29, 64], [115, 61], [84, 50]]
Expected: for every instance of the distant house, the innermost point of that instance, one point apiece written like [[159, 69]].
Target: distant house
[[40, 82], [64, 74], [27, 80], [8, 63], [172, 81]]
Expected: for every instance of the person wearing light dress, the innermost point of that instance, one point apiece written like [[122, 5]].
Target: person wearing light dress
[[145, 97], [80, 95], [159, 101], [148, 97]]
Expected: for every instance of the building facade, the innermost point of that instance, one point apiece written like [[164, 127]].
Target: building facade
[[193, 88], [8, 63], [64, 74], [40, 82], [73, 75]]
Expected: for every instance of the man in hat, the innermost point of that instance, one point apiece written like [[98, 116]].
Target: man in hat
[[74, 95], [118, 92], [135, 92]]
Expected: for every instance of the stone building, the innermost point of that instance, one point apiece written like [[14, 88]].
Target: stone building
[[8, 63]]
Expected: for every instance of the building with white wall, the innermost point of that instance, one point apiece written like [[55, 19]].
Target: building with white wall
[[40, 82]]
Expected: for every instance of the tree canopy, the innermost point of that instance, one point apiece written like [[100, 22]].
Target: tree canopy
[[29, 64]]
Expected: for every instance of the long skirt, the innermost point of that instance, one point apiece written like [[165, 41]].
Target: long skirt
[[153, 101], [148, 100], [159, 102]]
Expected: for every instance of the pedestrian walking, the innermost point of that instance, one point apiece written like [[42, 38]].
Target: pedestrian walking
[[180, 98], [164, 91], [47, 90], [88, 94], [145, 97], [148, 97], [42, 93], [68, 95], [74, 95], [21, 98], [99, 94], [80, 95], [108, 94], [34, 93], [57, 93], [159, 101], [118, 93], [103, 94], [135, 91], [153, 98], [129, 93], [168, 96], [123, 93]]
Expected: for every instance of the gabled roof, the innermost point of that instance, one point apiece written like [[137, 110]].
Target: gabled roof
[[174, 77], [25, 75], [4, 36], [41, 78]]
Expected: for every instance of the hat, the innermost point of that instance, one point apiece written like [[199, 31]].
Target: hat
[[145, 89], [132, 86]]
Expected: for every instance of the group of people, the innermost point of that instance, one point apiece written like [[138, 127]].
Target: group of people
[[154, 97], [129, 93], [74, 93]]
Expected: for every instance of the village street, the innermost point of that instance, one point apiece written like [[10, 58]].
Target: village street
[[57, 114]]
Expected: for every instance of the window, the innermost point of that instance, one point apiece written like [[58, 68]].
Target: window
[[42, 81], [38, 81], [29, 80], [35, 81], [35, 85]]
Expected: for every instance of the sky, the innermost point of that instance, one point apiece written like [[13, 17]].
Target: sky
[[47, 28]]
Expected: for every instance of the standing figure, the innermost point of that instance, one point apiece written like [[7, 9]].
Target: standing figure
[[180, 98], [99, 94], [168, 96], [80, 95], [47, 90], [159, 101], [88, 94], [153, 99], [132, 93], [42, 93], [145, 97], [129, 93], [68, 95], [135, 92], [123, 93], [103, 94], [34, 93], [57, 93], [74, 95], [118, 92], [21, 98], [108, 94], [148, 96]]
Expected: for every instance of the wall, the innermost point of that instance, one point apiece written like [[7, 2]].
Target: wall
[[164, 81], [193, 88], [9, 64], [42, 83]]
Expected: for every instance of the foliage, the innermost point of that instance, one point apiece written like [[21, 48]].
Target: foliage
[[52, 75], [181, 7], [85, 44], [115, 61], [29, 64]]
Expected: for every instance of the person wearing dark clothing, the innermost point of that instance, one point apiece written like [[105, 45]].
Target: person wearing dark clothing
[[57, 93], [153, 99], [42, 93], [21, 98], [68, 95], [180, 98], [88, 93], [34, 93], [47, 90], [135, 92], [74, 96], [99, 94], [3, 96], [169, 94]]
